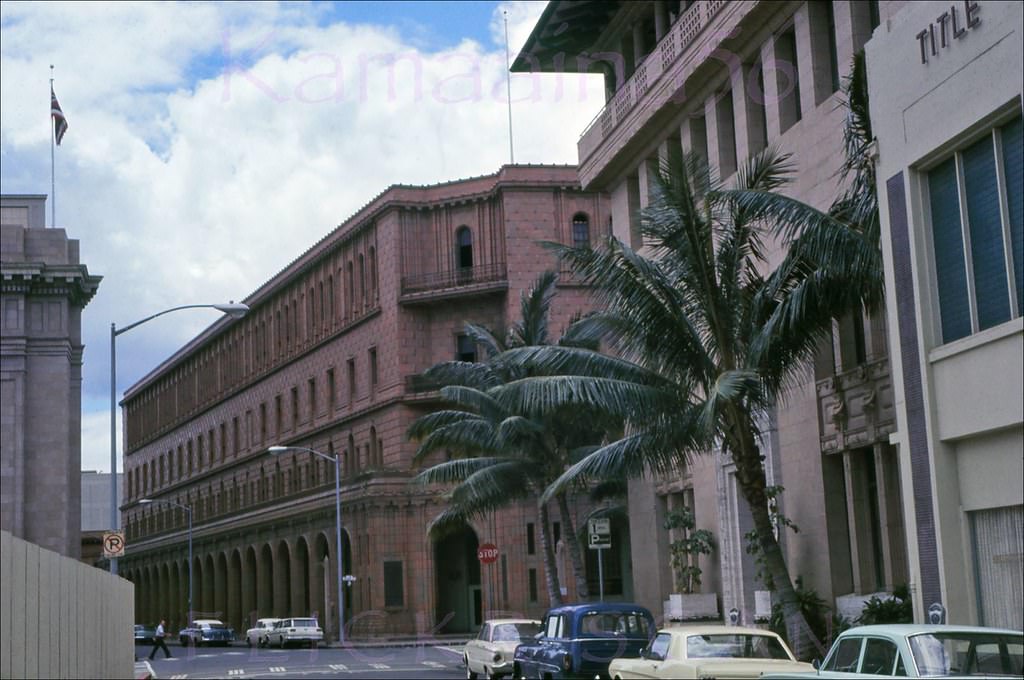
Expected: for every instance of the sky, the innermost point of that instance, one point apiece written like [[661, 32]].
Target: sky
[[210, 144]]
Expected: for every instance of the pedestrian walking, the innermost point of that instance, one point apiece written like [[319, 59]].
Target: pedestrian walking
[[158, 642]]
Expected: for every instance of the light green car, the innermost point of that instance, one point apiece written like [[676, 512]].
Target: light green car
[[923, 651]]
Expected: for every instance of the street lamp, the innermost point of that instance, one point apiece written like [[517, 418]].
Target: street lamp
[[147, 501], [337, 525], [232, 309]]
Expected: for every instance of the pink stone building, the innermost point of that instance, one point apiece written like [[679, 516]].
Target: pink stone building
[[329, 358]]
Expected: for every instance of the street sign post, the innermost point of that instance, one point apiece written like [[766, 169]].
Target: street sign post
[[600, 529], [487, 553]]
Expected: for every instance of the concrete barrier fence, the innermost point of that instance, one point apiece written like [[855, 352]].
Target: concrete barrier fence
[[60, 618]]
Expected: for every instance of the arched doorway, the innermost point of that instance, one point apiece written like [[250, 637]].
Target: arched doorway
[[457, 579]]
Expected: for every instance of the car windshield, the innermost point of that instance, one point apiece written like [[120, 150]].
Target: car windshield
[[515, 632], [734, 647], [214, 626], [304, 623], [602, 624], [979, 654]]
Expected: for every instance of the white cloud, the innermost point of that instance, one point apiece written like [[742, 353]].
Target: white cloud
[[185, 189]]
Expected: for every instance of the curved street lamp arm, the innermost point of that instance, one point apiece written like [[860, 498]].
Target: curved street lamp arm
[[231, 308], [282, 449]]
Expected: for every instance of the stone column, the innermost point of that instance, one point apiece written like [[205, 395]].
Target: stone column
[[748, 108], [248, 603], [771, 89]]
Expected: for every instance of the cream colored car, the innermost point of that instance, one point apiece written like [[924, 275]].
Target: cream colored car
[[710, 652], [490, 653]]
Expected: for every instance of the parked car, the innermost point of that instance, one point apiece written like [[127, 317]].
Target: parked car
[[303, 630], [206, 632], [710, 652], [144, 634], [258, 635], [924, 651], [580, 640], [490, 652]]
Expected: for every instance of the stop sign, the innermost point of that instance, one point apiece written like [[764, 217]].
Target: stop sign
[[487, 553]]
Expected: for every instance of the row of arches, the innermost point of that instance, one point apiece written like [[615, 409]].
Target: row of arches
[[284, 577]]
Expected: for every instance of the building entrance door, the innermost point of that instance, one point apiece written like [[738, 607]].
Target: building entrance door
[[457, 569]]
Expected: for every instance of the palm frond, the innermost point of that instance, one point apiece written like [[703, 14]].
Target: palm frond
[[482, 335], [457, 470], [465, 373]]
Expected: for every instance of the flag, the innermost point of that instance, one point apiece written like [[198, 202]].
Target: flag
[[60, 123]]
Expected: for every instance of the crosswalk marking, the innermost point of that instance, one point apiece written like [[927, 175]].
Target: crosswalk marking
[[453, 650], [277, 669], [380, 666], [237, 671], [433, 664], [338, 667], [181, 676]]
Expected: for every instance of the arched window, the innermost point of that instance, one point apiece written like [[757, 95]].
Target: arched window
[[362, 281], [580, 231], [350, 297], [464, 247], [374, 453], [373, 275]]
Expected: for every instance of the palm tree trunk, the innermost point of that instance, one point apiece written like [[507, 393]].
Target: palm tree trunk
[[550, 569], [579, 571], [753, 483]]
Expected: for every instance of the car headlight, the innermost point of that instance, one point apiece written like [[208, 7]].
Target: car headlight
[[497, 657]]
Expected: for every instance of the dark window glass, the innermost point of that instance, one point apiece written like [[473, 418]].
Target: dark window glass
[[394, 595], [464, 244], [580, 231], [1013, 167], [844, 656], [531, 546], [950, 271], [986, 234], [465, 348], [879, 657]]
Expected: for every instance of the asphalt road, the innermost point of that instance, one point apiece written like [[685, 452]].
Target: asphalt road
[[238, 661]]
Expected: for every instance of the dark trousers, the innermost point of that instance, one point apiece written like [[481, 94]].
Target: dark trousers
[[158, 643]]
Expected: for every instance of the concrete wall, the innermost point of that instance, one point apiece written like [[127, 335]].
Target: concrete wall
[[60, 618]]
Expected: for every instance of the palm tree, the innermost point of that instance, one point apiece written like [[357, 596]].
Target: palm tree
[[502, 456], [706, 337]]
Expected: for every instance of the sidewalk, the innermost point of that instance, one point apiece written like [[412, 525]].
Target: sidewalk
[[143, 671]]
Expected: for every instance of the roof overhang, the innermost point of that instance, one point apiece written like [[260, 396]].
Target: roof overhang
[[566, 30]]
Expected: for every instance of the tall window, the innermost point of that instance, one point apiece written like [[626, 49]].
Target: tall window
[[788, 79], [373, 275], [312, 399], [978, 232], [580, 231], [295, 408], [351, 380], [465, 348], [464, 248], [330, 390], [373, 367]]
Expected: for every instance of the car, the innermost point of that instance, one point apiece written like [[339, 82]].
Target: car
[[144, 634], [206, 632], [490, 652], [580, 640], [712, 651], [924, 651], [303, 630], [258, 635]]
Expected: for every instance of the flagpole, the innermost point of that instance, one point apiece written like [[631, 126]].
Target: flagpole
[[53, 135], [508, 89]]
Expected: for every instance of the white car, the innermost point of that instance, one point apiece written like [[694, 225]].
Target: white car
[[287, 631], [490, 653], [258, 635]]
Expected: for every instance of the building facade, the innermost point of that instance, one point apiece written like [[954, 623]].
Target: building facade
[[330, 357], [96, 514], [946, 91], [43, 290], [724, 80]]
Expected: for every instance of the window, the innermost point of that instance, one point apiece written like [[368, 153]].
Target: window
[[263, 423], [330, 390], [580, 231], [554, 628], [844, 656], [465, 348], [725, 119], [295, 408], [464, 248], [659, 648], [235, 438], [531, 547], [394, 595], [969, 194], [879, 657], [351, 380], [788, 79], [312, 399], [278, 417], [373, 367]]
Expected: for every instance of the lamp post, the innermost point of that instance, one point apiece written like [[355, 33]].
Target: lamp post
[[188, 510], [235, 310], [337, 525]]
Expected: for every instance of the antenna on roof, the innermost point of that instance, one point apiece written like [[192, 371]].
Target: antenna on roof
[[508, 88]]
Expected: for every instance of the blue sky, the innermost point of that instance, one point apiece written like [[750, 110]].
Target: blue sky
[[209, 144]]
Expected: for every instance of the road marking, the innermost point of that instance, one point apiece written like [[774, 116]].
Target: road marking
[[453, 650], [179, 677], [338, 667], [277, 669], [434, 664], [237, 671], [234, 653], [380, 666]]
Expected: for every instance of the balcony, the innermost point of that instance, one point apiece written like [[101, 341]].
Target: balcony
[[658, 81], [481, 279], [855, 408]]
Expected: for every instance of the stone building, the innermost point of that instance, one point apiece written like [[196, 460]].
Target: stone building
[[330, 358], [96, 514], [951, 186], [723, 80], [43, 289]]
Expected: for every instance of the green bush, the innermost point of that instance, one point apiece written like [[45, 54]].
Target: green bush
[[895, 609]]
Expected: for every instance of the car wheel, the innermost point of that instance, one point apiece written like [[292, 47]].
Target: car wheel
[[470, 675]]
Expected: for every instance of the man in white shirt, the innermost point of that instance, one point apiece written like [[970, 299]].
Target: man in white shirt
[[158, 642]]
